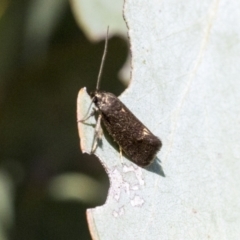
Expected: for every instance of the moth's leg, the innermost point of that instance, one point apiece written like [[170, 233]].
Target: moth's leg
[[87, 117], [90, 115], [97, 134], [120, 152]]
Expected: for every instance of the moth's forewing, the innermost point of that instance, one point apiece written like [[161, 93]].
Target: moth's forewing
[[138, 143]]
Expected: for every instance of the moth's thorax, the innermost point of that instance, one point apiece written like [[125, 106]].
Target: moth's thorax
[[103, 100]]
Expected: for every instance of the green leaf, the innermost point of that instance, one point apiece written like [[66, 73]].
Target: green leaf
[[93, 16]]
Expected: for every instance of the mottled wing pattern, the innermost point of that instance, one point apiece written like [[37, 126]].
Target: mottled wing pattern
[[138, 143]]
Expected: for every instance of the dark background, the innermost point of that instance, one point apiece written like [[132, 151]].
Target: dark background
[[38, 130]]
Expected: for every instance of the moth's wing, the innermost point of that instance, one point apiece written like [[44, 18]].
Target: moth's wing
[[137, 142], [144, 150]]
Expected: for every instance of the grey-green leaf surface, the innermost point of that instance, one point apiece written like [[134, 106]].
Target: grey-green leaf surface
[[185, 89], [93, 16]]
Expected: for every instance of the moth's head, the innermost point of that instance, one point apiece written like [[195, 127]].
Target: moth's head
[[102, 99], [98, 97]]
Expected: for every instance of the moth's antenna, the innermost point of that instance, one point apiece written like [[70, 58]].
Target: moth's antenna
[[103, 59]]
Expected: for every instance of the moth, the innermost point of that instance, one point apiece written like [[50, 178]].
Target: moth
[[138, 143]]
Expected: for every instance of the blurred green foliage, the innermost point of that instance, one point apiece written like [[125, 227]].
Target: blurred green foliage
[[45, 59]]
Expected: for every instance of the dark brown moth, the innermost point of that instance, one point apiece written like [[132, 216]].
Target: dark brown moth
[[136, 140]]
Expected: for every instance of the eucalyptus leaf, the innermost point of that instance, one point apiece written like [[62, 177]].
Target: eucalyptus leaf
[[185, 89]]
